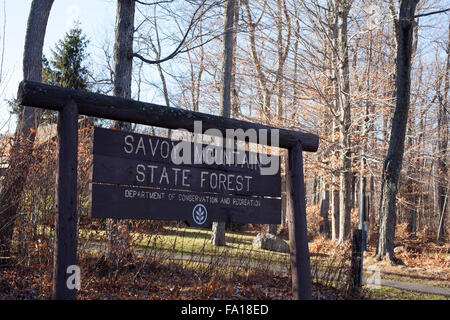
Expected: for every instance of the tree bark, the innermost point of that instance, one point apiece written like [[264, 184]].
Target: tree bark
[[218, 229], [263, 89], [123, 65], [123, 48], [334, 105], [28, 122], [442, 147], [365, 124], [334, 195], [343, 82], [324, 208], [393, 162], [235, 106], [283, 52]]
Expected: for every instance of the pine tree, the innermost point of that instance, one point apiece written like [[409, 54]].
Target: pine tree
[[65, 68]]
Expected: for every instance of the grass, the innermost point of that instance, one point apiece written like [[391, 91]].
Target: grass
[[239, 253], [195, 242], [387, 293], [412, 279]]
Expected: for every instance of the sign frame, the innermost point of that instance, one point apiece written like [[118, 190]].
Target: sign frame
[[70, 103], [122, 188]]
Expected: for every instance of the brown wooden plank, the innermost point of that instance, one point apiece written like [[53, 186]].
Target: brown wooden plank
[[45, 96], [152, 174], [65, 253], [356, 260], [146, 147], [122, 202], [298, 235]]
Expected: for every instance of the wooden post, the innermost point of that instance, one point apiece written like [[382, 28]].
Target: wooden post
[[66, 220], [298, 236], [362, 204], [45, 96], [40, 95], [357, 250]]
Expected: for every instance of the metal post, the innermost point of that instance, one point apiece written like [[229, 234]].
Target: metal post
[[66, 220]]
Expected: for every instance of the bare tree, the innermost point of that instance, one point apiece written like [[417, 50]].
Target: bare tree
[[27, 125], [123, 67], [201, 9], [342, 8], [268, 84], [218, 228], [123, 48], [442, 145], [393, 162]]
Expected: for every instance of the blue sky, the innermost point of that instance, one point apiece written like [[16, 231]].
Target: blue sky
[[97, 17]]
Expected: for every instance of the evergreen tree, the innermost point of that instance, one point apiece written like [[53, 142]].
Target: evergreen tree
[[65, 68]]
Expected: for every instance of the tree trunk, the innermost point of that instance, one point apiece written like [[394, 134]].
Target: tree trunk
[[324, 208], [315, 191], [332, 72], [411, 210], [411, 189], [123, 48], [21, 152], [393, 162], [343, 82], [123, 63], [218, 229], [392, 94], [283, 51], [365, 123], [235, 106], [443, 143], [334, 194]]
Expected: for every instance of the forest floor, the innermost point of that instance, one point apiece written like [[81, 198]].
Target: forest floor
[[153, 278], [181, 264], [423, 266], [401, 281], [419, 260]]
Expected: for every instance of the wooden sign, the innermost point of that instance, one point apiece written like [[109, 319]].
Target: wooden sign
[[109, 199], [134, 177]]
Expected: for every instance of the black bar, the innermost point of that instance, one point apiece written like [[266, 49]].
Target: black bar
[[65, 253], [45, 96]]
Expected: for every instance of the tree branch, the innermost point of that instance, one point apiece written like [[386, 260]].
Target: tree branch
[[153, 3], [430, 13], [180, 45]]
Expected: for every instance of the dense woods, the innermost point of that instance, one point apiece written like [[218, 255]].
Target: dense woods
[[370, 78]]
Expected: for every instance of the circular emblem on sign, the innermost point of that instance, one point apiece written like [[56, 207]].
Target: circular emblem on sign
[[199, 214]]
